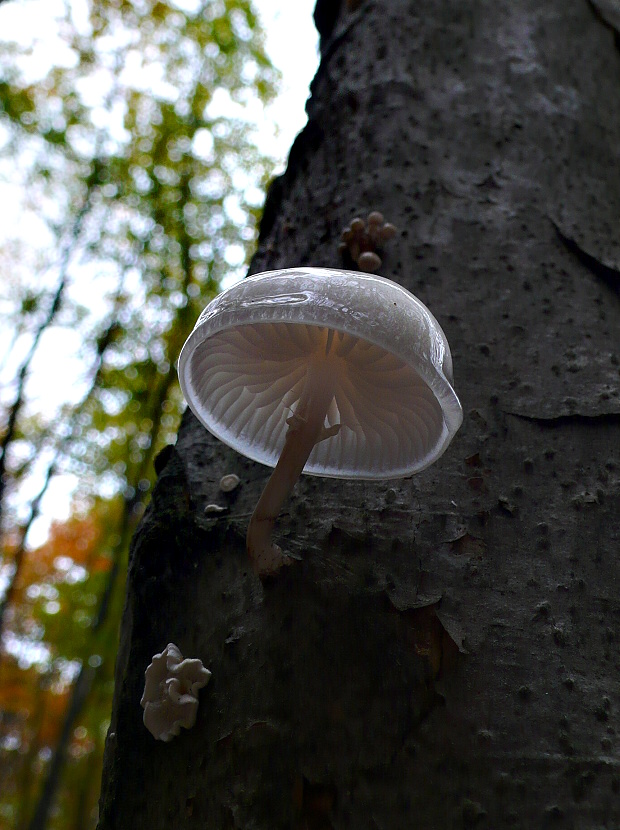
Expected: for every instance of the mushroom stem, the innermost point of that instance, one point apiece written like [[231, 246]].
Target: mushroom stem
[[305, 429]]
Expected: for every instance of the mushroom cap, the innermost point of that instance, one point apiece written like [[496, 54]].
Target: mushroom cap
[[243, 367]]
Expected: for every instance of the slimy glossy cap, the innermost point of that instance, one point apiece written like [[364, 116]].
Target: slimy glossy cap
[[243, 368]]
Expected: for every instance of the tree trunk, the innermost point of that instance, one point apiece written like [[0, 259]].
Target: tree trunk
[[446, 652]]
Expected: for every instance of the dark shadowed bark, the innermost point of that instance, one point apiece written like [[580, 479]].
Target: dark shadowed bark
[[445, 653]]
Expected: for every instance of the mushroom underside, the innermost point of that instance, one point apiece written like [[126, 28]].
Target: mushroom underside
[[385, 420]]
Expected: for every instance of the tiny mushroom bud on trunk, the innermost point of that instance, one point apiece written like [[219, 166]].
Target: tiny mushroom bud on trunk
[[387, 231], [328, 372], [361, 239], [369, 261]]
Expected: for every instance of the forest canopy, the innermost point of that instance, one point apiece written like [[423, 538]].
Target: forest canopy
[[130, 183]]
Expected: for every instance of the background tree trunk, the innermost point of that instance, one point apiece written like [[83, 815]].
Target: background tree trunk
[[446, 652]]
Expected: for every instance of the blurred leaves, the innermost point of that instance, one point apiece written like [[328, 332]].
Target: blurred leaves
[[129, 168]]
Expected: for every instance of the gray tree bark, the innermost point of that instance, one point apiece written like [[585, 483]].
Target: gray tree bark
[[445, 654]]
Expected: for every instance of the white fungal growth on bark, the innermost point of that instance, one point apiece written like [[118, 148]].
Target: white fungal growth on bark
[[170, 698]]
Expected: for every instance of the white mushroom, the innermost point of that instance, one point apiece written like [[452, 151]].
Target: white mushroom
[[333, 373], [170, 699]]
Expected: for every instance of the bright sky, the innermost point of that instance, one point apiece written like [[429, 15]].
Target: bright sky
[[292, 44]]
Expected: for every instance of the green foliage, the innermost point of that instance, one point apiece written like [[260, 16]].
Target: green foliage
[[127, 149]]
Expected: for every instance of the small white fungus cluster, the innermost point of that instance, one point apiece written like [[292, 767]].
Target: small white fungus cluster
[[170, 699]]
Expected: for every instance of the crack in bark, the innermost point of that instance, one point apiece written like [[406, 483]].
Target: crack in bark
[[553, 421], [609, 274]]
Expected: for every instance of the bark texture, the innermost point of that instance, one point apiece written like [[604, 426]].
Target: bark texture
[[445, 653]]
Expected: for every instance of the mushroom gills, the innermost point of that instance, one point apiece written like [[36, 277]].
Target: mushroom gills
[[251, 379]]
